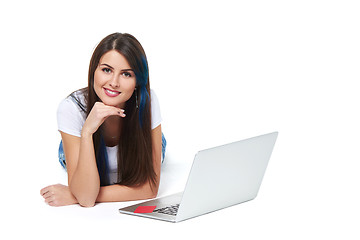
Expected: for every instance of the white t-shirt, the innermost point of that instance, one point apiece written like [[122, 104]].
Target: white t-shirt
[[71, 118]]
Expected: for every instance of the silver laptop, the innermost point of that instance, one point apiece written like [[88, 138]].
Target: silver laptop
[[219, 177]]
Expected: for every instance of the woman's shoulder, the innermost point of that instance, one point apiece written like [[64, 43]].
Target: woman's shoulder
[[71, 113], [78, 98], [74, 101]]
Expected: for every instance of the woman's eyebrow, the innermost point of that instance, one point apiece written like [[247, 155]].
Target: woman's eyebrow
[[124, 70], [107, 65]]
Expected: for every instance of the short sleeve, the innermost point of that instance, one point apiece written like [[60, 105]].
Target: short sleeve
[[155, 111], [70, 118]]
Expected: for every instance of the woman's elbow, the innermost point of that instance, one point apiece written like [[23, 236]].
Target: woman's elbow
[[148, 191], [86, 203], [153, 195], [154, 191], [84, 200]]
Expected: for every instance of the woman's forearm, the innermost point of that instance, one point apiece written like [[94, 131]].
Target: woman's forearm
[[118, 193], [85, 182]]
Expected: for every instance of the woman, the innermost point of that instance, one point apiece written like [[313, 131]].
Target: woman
[[111, 130]]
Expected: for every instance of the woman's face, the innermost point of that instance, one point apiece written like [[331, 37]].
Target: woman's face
[[114, 80]]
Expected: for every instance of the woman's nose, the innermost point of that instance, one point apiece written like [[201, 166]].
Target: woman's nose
[[115, 82]]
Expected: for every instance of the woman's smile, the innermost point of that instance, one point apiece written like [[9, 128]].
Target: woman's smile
[[111, 93]]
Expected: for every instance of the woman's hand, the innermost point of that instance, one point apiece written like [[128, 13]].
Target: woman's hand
[[98, 114], [58, 195]]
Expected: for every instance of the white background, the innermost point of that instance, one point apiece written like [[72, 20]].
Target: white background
[[223, 71]]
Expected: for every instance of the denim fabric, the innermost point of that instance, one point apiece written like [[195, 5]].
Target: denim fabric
[[163, 147], [61, 155], [62, 160]]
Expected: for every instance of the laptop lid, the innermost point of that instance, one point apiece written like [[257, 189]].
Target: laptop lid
[[226, 175]]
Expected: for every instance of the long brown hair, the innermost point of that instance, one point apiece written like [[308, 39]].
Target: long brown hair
[[135, 163]]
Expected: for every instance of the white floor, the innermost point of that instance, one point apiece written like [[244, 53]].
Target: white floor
[[298, 199]]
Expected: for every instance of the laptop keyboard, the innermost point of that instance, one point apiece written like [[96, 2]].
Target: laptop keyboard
[[172, 210]]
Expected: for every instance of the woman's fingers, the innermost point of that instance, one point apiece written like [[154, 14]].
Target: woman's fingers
[[116, 111], [121, 112], [58, 195], [44, 191], [98, 114], [105, 111], [47, 194]]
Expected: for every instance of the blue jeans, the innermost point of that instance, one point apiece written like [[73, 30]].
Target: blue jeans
[[62, 160]]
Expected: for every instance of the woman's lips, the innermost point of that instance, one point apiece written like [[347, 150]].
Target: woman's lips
[[111, 93]]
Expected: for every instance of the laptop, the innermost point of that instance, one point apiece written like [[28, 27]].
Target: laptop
[[220, 177]]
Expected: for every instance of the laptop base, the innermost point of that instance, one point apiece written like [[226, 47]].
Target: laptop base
[[160, 203]]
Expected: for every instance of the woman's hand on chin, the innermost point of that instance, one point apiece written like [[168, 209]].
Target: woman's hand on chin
[[98, 114]]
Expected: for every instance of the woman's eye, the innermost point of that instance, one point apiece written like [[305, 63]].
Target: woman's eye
[[126, 74], [106, 70]]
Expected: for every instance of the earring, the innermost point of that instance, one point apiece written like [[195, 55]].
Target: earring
[[136, 98]]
